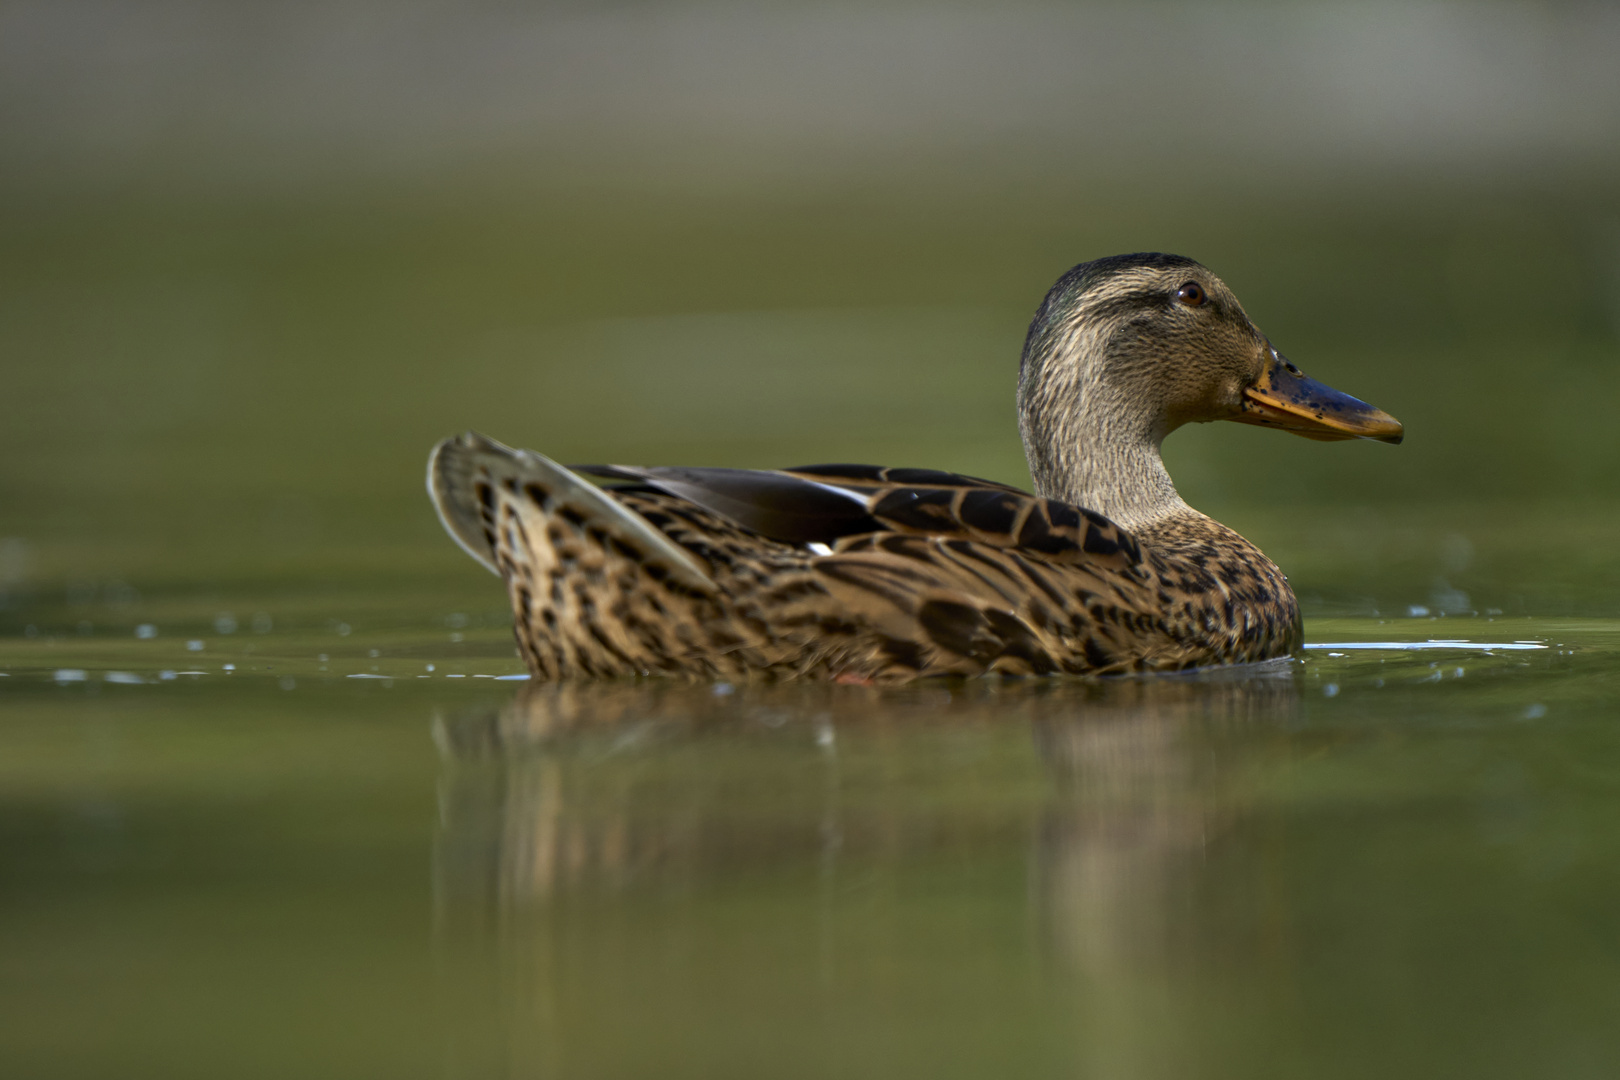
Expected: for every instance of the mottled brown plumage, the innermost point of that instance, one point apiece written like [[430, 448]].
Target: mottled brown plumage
[[865, 573]]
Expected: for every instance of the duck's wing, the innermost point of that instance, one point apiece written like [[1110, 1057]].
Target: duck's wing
[[778, 504], [897, 572], [949, 573], [835, 504]]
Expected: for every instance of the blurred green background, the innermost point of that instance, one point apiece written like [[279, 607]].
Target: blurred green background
[[260, 815], [255, 259]]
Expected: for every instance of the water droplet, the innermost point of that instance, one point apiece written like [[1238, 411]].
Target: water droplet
[[194, 646], [146, 631]]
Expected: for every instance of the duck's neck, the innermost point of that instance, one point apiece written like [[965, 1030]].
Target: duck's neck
[[1090, 446]]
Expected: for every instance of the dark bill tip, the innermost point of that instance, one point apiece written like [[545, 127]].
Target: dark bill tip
[[1284, 397]]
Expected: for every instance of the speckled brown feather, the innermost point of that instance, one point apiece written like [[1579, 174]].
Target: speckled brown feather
[[966, 579]]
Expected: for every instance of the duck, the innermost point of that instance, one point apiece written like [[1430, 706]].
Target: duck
[[873, 574]]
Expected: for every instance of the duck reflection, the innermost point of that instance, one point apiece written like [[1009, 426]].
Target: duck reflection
[[1150, 894], [596, 787], [570, 801], [1148, 775]]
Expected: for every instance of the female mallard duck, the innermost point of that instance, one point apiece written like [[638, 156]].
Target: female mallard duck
[[861, 573]]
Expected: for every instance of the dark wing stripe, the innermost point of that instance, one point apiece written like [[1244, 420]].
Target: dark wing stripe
[[893, 583], [905, 653], [989, 511], [923, 477], [1019, 642], [982, 634], [1004, 563], [872, 474], [1061, 514], [964, 554], [921, 509], [879, 476], [778, 505], [1096, 655], [1038, 534], [958, 628], [1039, 580]]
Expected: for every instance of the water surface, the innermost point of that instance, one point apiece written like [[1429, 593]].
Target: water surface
[[281, 854]]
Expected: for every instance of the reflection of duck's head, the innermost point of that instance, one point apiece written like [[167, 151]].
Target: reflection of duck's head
[[1126, 349]]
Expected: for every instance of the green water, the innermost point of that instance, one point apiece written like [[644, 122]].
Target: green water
[[282, 855], [311, 849]]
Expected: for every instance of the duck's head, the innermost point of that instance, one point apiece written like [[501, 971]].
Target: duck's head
[[1126, 349]]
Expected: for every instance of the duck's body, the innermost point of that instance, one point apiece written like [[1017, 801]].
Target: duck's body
[[864, 573]]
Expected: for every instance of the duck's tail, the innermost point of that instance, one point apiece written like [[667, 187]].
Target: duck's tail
[[580, 566]]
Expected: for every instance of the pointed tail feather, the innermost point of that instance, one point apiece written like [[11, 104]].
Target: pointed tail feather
[[469, 474]]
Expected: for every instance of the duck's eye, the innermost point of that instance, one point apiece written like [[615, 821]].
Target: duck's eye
[[1191, 294]]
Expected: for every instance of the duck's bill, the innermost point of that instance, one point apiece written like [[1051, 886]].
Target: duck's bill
[[1285, 398]]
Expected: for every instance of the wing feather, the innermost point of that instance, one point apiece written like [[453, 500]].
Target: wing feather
[[779, 505], [823, 504], [469, 473]]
